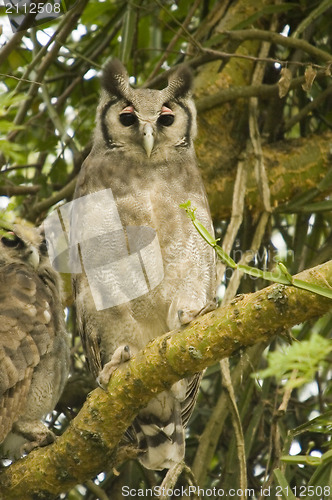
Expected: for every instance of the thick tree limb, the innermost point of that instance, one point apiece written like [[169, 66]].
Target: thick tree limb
[[89, 444], [293, 167], [263, 91]]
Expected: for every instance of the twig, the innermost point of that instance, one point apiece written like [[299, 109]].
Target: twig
[[170, 480], [237, 425], [236, 217], [209, 439], [96, 490], [235, 280], [275, 433], [318, 11], [174, 40], [7, 190], [260, 171], [275, 38], [44, 205], [308, 108], [71, 20], [17, 37]]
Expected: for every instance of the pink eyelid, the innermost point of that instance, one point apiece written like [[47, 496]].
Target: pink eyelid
[[128, 109], [166, 111]]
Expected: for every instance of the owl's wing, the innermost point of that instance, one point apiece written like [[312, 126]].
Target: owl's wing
[[85, 324], [25, 335], [92, 349]]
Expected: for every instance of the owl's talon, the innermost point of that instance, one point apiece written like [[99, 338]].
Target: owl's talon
[[40, 441], [186, 317], [35, 433], [120, 355], [209, 306]]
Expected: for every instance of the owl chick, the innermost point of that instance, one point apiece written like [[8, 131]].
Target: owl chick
[[34, 354], [146, 269]]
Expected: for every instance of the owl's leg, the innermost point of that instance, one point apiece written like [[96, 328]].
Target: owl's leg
[[35, 432], [120, 355], [185, 316]]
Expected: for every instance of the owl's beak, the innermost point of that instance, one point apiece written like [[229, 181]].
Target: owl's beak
[[33, 257], [148, 138]]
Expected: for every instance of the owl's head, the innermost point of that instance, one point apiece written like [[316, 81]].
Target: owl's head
[[20, 244], [26, 245], [145, 121]]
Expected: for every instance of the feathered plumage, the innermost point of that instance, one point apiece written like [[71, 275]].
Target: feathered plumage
[[143, 152], [34, 355]]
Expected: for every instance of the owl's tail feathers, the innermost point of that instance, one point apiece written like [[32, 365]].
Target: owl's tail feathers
[[161, 441]]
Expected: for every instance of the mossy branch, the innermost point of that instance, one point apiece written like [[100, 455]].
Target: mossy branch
[[89, 445]]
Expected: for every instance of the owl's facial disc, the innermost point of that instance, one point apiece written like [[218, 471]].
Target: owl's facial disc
[[149, 125], [12, 241], [165, 119]]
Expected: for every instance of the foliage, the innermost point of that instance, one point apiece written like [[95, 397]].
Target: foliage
[[301, 359], [264, 148]]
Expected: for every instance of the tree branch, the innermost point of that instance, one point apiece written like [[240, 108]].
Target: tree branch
[[276, 38], [88, 446], [292, 166], [241, 92], [12, 190]]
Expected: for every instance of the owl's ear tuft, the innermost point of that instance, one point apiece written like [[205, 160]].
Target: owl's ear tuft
[[115, 79], [180, 81]]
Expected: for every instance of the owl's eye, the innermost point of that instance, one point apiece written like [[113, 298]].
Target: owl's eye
[[12, 241], [127, 119], [166, 117], [43, 247], [127, 116], [166, 120]]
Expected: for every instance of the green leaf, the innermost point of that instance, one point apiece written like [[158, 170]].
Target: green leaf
[[128, 32], [304, 358], [321, 424], [282, 276], [302, 460], [276, 277], [286, 491], [8, 126], [12, 150], [285, 272], [322, 477], [58, 174], [311, 287], [10, 99]]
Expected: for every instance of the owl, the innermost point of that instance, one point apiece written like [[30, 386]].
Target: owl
[[145, 269], [34, 354]]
